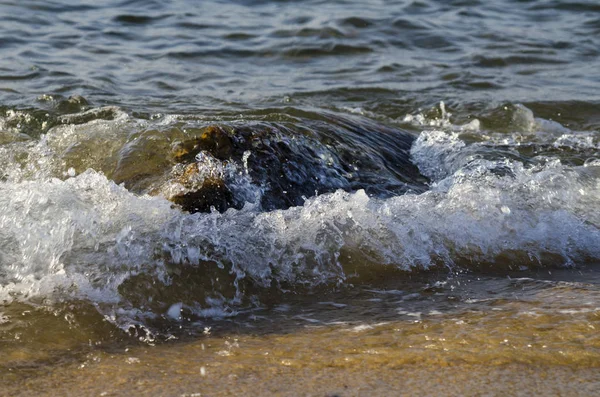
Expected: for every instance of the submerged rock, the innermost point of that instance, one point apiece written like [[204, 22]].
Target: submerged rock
[[280, 165]]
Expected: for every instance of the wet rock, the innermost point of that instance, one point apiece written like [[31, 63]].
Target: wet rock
[[200, 192], [213, 139], [213, 193], [281, 165]]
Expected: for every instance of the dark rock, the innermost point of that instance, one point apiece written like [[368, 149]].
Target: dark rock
[[213, 193], [214, 139], [288, 163]]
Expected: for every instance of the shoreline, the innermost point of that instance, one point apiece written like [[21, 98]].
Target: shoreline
[[180, 373], [501, 350]]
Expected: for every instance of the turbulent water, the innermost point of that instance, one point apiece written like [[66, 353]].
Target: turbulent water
[[167, 167]]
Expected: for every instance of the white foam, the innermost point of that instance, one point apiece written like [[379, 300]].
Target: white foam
[[90, 232], [84, 232]]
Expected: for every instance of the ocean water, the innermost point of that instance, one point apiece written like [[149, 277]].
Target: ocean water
[[421, 175]]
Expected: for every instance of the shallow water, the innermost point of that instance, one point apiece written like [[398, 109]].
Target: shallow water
[[467, 335], [380, 196]]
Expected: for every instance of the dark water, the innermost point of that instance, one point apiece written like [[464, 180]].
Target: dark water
[[188, 170]]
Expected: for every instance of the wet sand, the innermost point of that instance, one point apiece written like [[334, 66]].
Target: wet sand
[[114, 377], [508, 351]]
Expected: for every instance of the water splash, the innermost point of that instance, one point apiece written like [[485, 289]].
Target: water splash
[[135, 256]]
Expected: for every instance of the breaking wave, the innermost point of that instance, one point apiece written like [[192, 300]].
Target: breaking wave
[[481, 201]]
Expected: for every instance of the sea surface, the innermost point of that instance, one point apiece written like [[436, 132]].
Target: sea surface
[[269, 197]]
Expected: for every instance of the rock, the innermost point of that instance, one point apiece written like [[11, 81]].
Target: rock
[[287, 164], [214, 139], [212, 193]]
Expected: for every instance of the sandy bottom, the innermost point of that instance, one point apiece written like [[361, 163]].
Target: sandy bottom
[[494, 337], [453, 357], [182, 372]]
